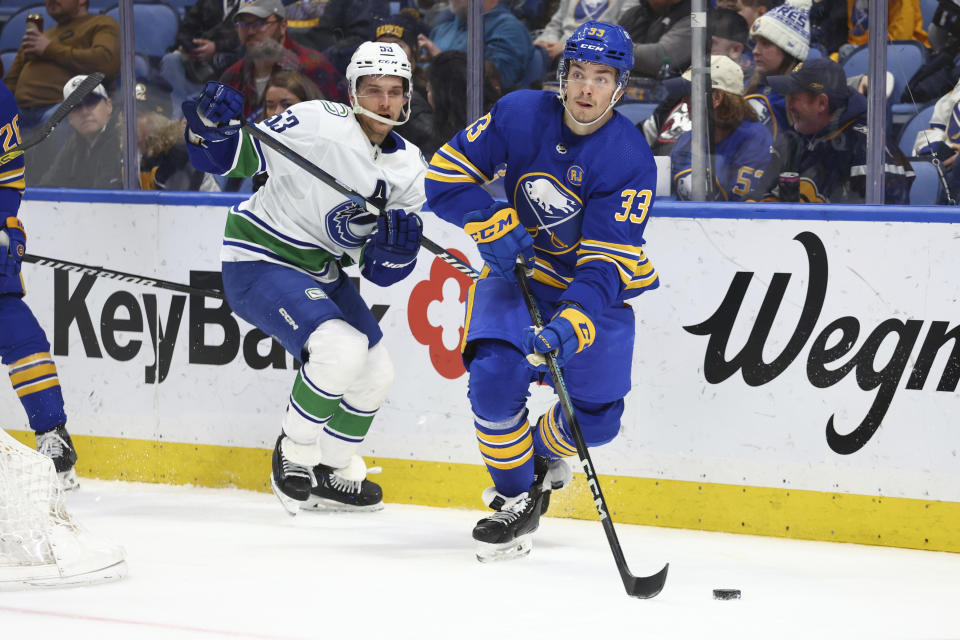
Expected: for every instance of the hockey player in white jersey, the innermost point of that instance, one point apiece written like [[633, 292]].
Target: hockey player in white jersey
[[285, 247]]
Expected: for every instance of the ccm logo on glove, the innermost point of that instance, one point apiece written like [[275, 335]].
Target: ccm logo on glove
[[494, 227]]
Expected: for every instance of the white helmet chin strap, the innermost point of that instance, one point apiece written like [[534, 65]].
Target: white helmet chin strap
[[405, 114], [613, 101]]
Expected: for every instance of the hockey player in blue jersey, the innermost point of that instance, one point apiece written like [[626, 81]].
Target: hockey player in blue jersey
[[581, 182], [741, 144], [23, 345]]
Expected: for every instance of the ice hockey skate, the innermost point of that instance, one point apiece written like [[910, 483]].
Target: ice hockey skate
[[290, 481], [508, 533], [57, 445], [550, 474], [343, 490]]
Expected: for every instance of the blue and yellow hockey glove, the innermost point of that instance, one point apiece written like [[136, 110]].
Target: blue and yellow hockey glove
[[13, 248], [391, 253], [500, 238], [570, 331], [216, 114]]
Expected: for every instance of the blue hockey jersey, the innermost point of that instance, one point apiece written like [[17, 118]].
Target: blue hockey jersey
[[584, 199], [12, 181], [739, 162], [771, 109]]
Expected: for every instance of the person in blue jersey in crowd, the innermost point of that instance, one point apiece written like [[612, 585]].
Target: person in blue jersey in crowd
[[781, 39], [826, 152], [581, 181], [23, 345], [741, 145]]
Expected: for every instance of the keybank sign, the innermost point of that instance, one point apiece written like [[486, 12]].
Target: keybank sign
[[830, 354]]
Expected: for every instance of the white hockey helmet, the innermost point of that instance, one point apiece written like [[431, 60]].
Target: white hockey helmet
[[380, 59]]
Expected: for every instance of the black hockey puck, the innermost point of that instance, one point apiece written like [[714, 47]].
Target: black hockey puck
[[726, 594]]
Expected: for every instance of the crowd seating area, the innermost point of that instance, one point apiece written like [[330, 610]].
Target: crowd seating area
[[156, 23]]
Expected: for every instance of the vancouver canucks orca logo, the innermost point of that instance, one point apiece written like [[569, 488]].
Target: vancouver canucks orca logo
[[542, 198], [347, 226]]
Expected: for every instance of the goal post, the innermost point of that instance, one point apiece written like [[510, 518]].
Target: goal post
[[41, 545]]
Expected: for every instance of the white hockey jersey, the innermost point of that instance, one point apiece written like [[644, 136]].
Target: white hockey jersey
[[297, 220]]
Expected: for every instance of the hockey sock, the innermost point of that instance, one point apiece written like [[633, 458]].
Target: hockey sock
[[507, 450], [551, 438], [35, 380]]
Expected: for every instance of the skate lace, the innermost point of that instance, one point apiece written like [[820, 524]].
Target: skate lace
[[508, 514], [51, 444], [293, 469], [343, 485]]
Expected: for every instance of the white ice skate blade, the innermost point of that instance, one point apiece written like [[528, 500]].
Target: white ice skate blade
[[290, 505], [516, 548], [316, 503], [69, 480]]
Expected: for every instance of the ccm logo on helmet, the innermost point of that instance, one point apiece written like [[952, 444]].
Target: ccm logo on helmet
[[593, 47]]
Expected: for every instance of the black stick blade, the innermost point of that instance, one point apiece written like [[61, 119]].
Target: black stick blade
[[645, 587]]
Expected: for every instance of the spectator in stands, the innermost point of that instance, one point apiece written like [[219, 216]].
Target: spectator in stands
[[403, 29], [284, 89], [941, 140], [570, 14], [828, 25], [342, 26], [781, 40], [904, 22], [287, 88], [750, 10], [262, 29], [79, 43], [728, 37], [829, 146], [92, 156], [206, 45], [434, 12], [447, 93], [740, 144], [661, 32], [507, 43]]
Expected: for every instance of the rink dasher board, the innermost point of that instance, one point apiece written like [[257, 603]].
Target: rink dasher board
[[720, 454]]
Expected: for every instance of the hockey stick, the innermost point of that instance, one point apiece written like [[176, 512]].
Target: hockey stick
[[40, 133], [637, 587], [102, 272], [335, 184]]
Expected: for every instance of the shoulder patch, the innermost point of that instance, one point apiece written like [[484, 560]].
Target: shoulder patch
[[335, 108]]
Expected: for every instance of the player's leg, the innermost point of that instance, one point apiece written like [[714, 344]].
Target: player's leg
[[300, 314], [499, 388], [26, 352], [341, 476], [597, 380]]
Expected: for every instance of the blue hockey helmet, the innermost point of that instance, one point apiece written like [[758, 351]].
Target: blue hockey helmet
[[599, 42]]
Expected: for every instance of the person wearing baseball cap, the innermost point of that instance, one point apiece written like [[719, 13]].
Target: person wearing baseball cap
[[827, 147], [91, 156], [262, 29], [741, 144]]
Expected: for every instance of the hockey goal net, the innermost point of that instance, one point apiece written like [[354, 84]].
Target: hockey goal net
[[40, 543]]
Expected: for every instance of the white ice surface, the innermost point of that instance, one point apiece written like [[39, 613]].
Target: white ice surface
[[207, 563]]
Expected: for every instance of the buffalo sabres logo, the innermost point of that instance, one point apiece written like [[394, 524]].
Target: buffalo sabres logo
[[762, 108], [543, 197], [347, 226]]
